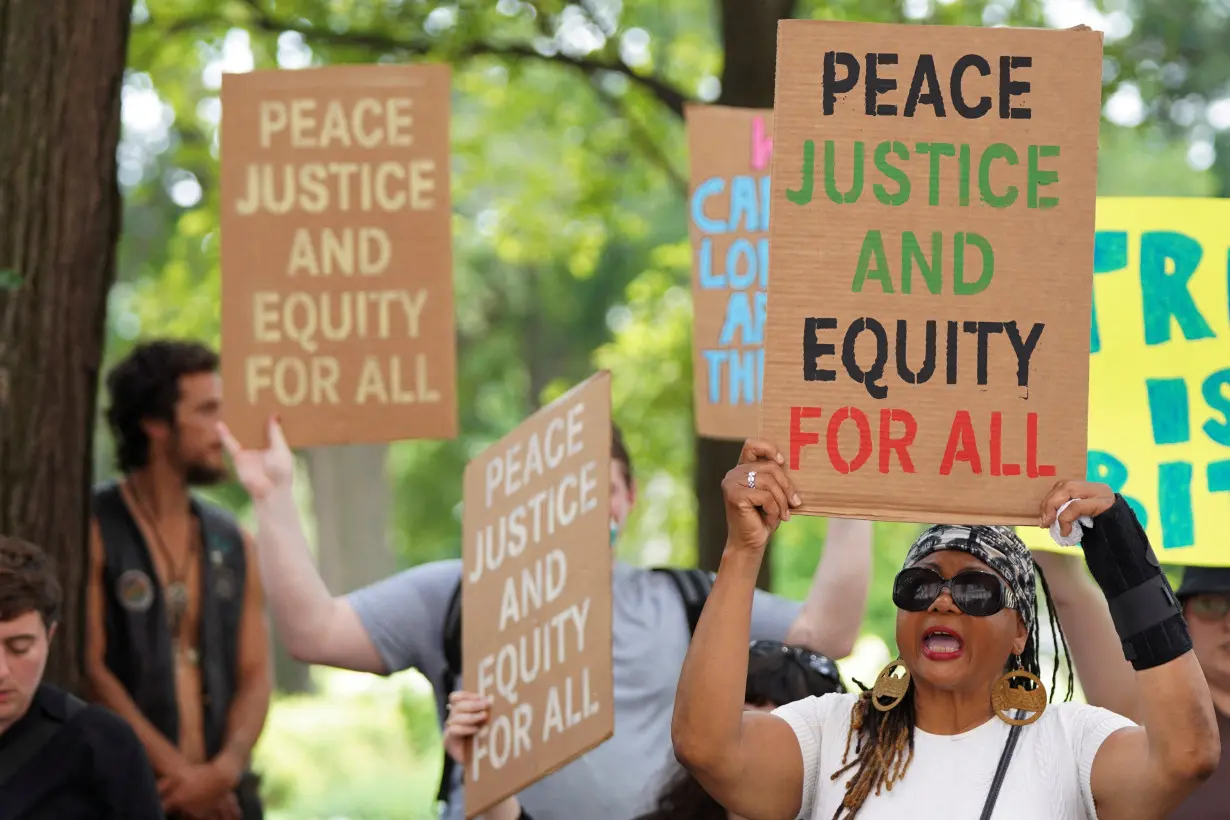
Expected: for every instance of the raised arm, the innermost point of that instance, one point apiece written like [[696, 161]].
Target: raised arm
[[1106, 677], [315, 627], [750, 762], [1143, 771], [833, 612]]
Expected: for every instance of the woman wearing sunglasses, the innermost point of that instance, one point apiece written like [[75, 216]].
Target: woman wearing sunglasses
[[958, 727], [777, 674]]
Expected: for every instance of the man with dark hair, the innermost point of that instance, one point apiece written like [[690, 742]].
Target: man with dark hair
[[59, 758], [412, 619], [176, 640]]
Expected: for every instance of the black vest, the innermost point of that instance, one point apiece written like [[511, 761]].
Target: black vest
[[138, 632]]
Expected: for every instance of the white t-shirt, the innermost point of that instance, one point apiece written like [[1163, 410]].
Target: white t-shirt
[[950, 775]]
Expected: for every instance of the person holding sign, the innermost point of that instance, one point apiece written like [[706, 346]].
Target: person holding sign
[[777, 674], [401, 622], [964, 696]]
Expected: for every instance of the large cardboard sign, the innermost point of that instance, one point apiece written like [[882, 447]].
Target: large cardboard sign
[[1159, 376], [536, 594], [931, 249], [731, 149], [337, 295]]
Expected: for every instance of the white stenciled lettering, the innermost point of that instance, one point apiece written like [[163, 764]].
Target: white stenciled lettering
[[317, 187], [345, 252], [292, 380], [539, 585], [535, 519], [503, 739]]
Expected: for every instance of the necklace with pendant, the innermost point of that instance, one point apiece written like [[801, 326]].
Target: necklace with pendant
[[176, 591]]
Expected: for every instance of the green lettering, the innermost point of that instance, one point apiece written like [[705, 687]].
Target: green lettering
[[936, 150], [873, 244], [892, 172], [963, 166], [996, 151], [1038, 178], [803, 195], [830, 174], [959, 285], [932, 271]]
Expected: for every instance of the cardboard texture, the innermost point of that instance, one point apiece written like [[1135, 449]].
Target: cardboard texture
[[877, 420], [337, 294], [730, 150], [1159, 374], [536, 594]]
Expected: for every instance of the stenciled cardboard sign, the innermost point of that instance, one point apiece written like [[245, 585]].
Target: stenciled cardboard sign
[[337, 294], [536, 594], [731, 149], [932, 254], [1159, 375]]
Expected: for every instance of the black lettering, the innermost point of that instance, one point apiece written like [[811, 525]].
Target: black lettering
[[813, 349], [877, 85], [1009, 88], [924, 72], [1024, 350], [833, 86], [870, 377], [983, 329], [952, 352], [928, 366], [958, 95]]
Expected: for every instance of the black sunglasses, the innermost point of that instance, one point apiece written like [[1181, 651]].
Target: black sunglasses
[[977, 593], [810, 662]]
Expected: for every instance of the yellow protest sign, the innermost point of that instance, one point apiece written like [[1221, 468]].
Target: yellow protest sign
[[1159, 374]]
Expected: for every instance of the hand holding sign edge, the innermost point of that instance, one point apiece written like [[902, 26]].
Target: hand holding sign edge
[[755, 507], [261, 471]]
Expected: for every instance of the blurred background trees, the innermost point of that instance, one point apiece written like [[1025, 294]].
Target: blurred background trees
[[569, 189]]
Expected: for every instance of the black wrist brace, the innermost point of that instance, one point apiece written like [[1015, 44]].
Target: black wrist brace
[[1146, 613]]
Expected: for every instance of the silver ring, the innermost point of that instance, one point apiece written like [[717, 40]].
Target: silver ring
[[751, 480]]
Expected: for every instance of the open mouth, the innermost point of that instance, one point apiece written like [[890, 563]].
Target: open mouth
[[941, 644]]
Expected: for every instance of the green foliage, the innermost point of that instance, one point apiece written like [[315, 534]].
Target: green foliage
[[570, 236]]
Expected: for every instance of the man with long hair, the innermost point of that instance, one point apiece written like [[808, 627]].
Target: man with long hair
[[176, 639]]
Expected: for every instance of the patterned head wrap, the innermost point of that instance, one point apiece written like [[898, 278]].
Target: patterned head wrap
[[998, 547]]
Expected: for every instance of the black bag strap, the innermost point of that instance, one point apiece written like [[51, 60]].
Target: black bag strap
[[34, 738], [694, 586], [1004, 759], [452, 668]]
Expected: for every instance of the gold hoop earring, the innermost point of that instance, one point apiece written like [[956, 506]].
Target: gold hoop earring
[[1024, 697], [891, 686]]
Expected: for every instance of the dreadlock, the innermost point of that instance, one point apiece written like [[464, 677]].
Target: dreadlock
[[884, 741]]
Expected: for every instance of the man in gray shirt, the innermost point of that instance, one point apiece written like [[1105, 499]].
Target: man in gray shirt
[[398, 623]]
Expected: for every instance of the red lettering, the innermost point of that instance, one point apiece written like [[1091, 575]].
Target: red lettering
[[1034, 469], [899, 445], [997, 448], [800, 438], [962, 434], [864, 440]]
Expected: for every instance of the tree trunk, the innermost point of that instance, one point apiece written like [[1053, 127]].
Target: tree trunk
[[350, 497], [749, 36], [61, 70]]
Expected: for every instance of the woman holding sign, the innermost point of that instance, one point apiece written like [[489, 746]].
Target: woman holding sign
[[949, 730]]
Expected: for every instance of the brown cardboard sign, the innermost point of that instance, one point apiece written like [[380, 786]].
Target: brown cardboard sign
[[730, 149], [932, 255], [536, 593], [337, 279]]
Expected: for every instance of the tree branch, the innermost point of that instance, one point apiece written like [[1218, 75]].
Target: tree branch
[[262, 20]]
